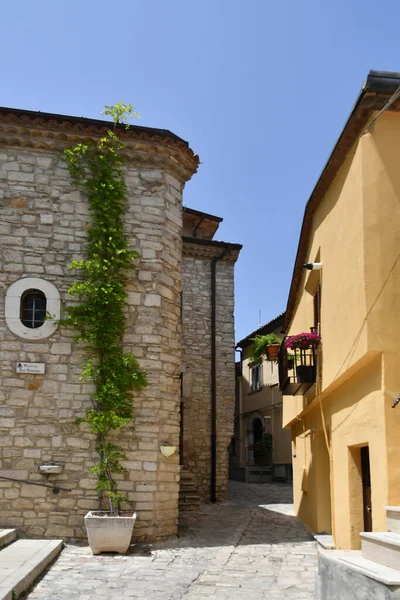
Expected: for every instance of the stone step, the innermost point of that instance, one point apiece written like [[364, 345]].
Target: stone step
[[393, 518], [354, 560], [382, 548], [189, 500], [7, 536], [190, 497], [22, 562], [186, 476], [187, 488], [325, 541]]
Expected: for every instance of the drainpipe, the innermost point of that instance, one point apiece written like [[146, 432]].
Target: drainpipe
[[241, 453], [213, 493]]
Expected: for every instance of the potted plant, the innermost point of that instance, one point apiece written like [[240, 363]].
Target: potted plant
[[300, 343], [262, 450], [99, 318], [265, 345], [290, 360]]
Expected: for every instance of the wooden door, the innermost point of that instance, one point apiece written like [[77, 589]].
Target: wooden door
[[366, 484]]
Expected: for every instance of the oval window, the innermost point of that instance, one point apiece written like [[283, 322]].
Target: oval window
[[33, 308]]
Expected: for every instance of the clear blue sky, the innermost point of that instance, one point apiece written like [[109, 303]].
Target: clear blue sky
[[259, 88]]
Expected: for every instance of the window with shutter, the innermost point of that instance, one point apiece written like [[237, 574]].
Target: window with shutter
[[256, 378]]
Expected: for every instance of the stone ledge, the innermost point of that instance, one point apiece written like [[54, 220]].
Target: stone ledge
[[23, 562], [353, 561]]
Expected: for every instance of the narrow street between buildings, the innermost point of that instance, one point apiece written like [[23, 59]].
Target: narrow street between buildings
[[250, 547]]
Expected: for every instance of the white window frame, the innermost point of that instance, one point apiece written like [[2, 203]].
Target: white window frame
[[255, 384], [13, 308]]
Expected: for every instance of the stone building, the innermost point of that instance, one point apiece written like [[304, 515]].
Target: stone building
[[179, 326]]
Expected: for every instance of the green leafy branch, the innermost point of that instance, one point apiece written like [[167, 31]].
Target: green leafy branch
[[258, 348], [99, 315]]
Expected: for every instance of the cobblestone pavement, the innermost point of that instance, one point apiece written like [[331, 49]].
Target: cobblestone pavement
[[248, 548]]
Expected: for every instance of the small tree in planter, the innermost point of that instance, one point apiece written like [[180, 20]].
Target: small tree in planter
[[300, 343], [265, 345], [99, 317], [262, 450]]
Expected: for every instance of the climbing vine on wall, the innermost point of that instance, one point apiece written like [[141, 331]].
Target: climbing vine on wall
[[99, 315]]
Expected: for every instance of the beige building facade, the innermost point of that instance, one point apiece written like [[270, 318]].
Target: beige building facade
[[43, 221], [344, 428], [258, 413]]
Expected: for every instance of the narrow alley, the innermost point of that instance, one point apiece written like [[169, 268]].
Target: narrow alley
[[248, 547]]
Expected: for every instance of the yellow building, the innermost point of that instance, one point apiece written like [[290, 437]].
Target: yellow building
[[258, 413], [345, 432]]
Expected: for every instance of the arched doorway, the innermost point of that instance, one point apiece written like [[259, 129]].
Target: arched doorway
[[258, 430], [255, 432]]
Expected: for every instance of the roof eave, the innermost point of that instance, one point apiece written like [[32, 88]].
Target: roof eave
[[100, 123], [262, 330], [379, 84]]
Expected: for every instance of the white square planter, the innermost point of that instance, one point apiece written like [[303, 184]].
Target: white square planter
[[109, 533]]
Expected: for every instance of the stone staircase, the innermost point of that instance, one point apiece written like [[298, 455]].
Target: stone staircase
[[188, 496], [22, 561], [373, 572]]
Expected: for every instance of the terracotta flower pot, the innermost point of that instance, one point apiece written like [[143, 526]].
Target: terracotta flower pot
[[272, 351]]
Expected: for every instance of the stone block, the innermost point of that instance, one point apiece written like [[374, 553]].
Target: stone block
[[134, 298], [44, 161], [11, 166], [21, 177], [336, 579], [33, 491], [46, 219], [150, 466], [61, 348]]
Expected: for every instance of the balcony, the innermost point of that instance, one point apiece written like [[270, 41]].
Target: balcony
[[297, 372]]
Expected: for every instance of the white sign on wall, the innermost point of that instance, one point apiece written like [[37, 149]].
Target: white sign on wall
[[25, 367]]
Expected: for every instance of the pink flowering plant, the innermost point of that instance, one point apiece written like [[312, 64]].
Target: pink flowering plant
[[302, 341]]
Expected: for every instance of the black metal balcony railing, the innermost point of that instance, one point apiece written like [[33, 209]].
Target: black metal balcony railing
[[298, 373]]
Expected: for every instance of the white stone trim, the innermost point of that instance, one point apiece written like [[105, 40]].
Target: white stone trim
[[13, 308]]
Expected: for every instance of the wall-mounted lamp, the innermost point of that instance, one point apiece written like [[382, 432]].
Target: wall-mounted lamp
[[313, 266], [167, 450]]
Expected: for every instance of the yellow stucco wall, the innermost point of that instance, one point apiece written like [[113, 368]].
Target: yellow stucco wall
[[356, 235]]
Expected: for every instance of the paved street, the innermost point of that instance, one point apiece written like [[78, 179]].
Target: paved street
[[248, 548]]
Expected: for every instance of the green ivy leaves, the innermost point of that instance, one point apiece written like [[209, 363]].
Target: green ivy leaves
[[99, 315]]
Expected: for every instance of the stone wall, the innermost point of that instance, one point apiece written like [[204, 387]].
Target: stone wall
[[196, 360], [43, 225]]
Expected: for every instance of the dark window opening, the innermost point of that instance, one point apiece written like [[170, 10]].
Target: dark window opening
[[33, 308], [256, 378]]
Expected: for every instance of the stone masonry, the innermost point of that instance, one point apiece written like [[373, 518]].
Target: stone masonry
[[196, 358], [43, 227], [43, 223]]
